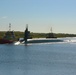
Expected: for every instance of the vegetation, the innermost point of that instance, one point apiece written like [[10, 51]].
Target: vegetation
[[38, 35], [19, 34], [65, 35], [2, 33]]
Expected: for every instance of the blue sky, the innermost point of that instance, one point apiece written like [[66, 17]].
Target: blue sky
[[40, 15]]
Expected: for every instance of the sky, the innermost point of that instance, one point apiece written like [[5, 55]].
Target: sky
[[40, 15]]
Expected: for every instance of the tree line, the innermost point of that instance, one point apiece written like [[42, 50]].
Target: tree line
[[19, 34]]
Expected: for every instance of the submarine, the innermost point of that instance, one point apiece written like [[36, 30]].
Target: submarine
[[49, 38], [43, 40]]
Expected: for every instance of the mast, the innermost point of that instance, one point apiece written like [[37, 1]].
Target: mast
[[9, 26], [51, 29]]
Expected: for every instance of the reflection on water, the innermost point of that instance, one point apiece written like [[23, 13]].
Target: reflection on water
[[39, 59]]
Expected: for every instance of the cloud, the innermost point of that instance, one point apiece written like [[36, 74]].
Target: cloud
[[4, 17]]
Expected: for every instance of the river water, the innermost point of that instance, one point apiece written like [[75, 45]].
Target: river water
[[38, 59]]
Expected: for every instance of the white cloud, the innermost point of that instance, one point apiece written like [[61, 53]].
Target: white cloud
[[4, 17]]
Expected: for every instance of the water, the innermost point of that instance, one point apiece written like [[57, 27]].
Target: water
[[38, 59]]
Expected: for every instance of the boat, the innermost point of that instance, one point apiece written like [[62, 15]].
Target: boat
[[51, 35], [5, 41], [9, 37]]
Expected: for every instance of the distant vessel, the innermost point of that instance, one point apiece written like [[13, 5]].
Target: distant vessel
[[51, 35], [8, 37]]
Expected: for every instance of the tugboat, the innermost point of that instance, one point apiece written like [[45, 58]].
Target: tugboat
[[51, 35], [8, 37]]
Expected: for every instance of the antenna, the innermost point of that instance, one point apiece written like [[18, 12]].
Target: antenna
[[9, 26], [27, 26], [51, 29]]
